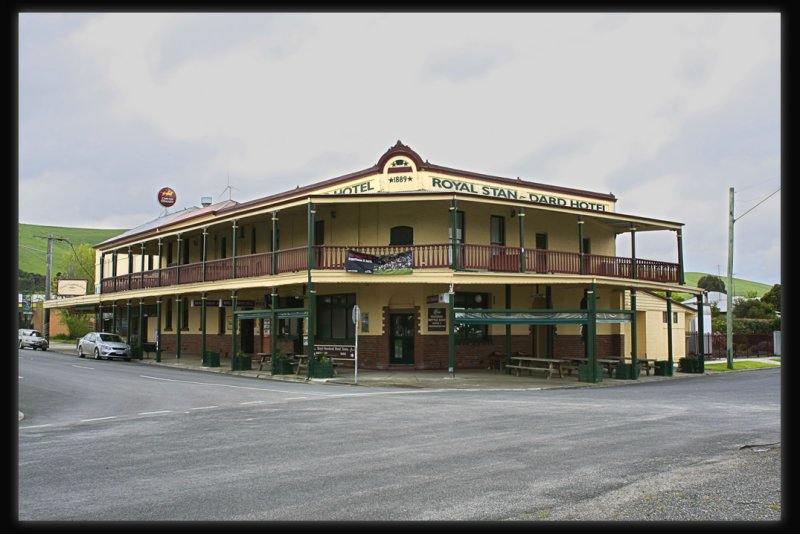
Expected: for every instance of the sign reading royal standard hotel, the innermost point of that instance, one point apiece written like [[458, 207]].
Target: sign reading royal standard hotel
[[451, 266]]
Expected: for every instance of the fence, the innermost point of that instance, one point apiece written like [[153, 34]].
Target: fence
[[744, 345]]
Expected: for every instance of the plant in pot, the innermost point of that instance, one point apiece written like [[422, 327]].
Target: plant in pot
[[281, 364], [242, 362], [320, 366]]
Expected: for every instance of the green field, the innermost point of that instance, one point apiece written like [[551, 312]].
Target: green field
[[32, 250], [740, 287]]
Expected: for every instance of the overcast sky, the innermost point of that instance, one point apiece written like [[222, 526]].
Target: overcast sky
[[667, 111]]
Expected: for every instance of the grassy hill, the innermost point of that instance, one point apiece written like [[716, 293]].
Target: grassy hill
[[740, 287], [32, 250]]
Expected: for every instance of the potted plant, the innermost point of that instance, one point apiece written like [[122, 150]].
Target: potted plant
[[281, 364], [320, 366], [242, 362]]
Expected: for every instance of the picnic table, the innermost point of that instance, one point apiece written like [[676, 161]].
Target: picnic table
[[548, 366], [609, 364]]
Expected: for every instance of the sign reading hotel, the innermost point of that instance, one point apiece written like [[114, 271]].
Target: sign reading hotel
[[401, 175], [71, 288]]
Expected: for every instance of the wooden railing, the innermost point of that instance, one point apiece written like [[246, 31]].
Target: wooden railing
[[473, 257]]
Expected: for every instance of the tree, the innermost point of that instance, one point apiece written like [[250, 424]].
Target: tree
[[773, 296], [79, 265], [711, 283], [753, 309]]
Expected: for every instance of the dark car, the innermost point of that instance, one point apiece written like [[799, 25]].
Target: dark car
[[104, 345]]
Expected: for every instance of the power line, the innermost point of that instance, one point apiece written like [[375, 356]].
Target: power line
[[754, 207]]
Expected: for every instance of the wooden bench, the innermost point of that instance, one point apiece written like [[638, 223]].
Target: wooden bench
[[337, 362], [548, 366], [264, 358]]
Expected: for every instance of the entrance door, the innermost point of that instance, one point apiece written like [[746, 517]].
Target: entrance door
[[401, 338], [246, 329]]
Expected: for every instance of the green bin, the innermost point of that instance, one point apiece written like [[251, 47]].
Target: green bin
[[210, 358], [584, 373], [280, 366], [663, 368], [627, 371]]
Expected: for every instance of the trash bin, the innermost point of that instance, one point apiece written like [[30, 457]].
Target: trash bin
[[626, 371], [663, 368], [584, 373], [210, 358]]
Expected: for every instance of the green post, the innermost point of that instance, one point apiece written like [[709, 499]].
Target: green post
[[273, 324], [203, 298], [634, 348], [102, 269], [178, 263], [312, 293], [233, 333], [178, 325], [669, 331], [141, 268], [453, 242], [233, 250], [550, 328], [451, 362], [682, 278], [634, 273], [128, 319], [591, 335], [508, 326], [141, 328], [160, 246], [580, 243], [158, 329], [98, 320], [274, 244], [205, 253], [522, 240], [130, 266]]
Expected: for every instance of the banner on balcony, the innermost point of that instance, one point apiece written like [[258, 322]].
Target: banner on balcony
[[358, 262]]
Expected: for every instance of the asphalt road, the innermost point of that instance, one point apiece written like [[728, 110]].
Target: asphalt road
[[118, 441]]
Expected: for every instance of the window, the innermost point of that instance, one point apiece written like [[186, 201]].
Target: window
[[401, 235], [169, 254], [168, 315], [587, 245], [674, 317], [223, 248], [334, 317], [253, 240], [497, 230], [541, 241], [150, 262], [221, 320], [185, 251], [471, 333]]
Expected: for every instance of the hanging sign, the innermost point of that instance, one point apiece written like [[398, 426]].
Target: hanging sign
[[167, 197]]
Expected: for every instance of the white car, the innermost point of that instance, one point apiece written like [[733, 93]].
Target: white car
[[33, 339], [103, 345]]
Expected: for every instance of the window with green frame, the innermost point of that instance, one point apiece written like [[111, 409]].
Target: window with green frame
[[334, 318], [471, 333]]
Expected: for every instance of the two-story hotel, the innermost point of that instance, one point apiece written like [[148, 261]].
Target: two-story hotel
[[446, 266]]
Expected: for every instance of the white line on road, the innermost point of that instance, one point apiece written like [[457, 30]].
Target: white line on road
[[82, 367], [223, 385], [253, 402], [204, 408], [98, 419], [155, 413]]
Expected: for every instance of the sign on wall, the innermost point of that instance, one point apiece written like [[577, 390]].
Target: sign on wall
[[437, 319], [71, 288]]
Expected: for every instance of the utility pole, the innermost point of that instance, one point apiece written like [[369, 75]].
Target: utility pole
[[729, 311], [47, 289]]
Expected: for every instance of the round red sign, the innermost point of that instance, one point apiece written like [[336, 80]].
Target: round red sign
[[167, 197]]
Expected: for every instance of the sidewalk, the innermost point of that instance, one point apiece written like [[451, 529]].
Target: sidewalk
[[427, 379]]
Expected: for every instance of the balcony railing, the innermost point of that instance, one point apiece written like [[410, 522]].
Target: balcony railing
[[491, 258]]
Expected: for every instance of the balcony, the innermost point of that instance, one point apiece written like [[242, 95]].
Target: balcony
[[470, 257]]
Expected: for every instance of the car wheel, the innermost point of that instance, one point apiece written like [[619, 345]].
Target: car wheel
[[96, 354], [80, 352], [20, 344]]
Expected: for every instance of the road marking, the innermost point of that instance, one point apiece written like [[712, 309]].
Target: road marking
[[223, 385], [82, 366], [98, 419], [204, 408], [155, 413], [252, 402], [34, 426]]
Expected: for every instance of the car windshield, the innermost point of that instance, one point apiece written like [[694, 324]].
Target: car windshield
[[34, 333], [110, 337]]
